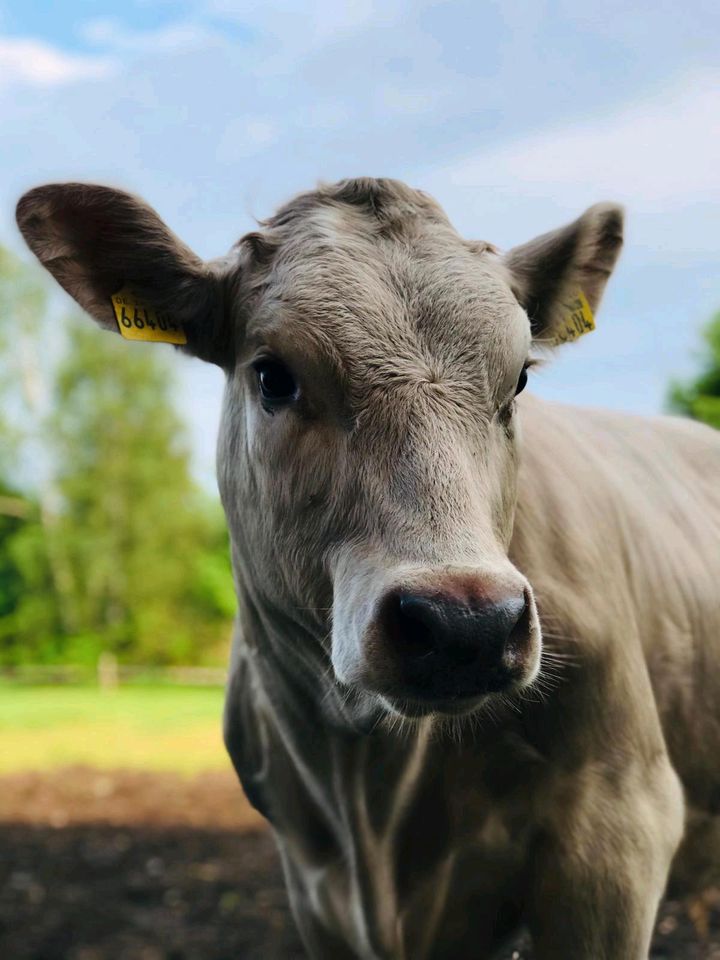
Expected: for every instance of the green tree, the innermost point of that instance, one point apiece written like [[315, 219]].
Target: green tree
[[31, 614], [138, 533], [700, 398], [15, 515], [106, 543]]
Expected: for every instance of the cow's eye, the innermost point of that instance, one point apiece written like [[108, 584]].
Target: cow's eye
[[522, 380], [277, 385]]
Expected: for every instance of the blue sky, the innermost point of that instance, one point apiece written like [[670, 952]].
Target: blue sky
[[515, 115]]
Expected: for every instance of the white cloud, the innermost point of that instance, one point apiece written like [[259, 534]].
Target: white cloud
[[299, 24], [657, 154], [35, 63], [175, 37]]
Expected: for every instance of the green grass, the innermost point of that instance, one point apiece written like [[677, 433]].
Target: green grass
[[145, 727]]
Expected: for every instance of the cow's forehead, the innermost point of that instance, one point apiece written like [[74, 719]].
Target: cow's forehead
[[389, 276]]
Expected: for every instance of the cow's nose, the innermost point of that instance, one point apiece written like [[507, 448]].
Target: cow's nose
[[445, 647], [459, 632]]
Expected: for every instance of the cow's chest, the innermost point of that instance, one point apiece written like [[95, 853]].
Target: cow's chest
[[462, 904], [413, 854]]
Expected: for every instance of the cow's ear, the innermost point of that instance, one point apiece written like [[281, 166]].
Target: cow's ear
[[550, 273], [97, 241]]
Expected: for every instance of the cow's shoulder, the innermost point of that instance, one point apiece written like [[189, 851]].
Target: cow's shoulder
[[587, 464], [619, 514]]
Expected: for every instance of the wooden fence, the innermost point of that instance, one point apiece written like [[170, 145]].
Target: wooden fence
[[108, 673]]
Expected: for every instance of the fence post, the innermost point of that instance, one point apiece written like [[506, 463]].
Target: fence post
[[107, 671]]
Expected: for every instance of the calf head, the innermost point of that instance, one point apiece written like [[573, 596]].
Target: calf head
[[368, 448]]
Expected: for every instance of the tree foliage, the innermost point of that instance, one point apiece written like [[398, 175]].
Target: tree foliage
[[110, 546], [700, 398]]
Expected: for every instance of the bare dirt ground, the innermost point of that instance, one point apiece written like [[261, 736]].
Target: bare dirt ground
[[146, 866]]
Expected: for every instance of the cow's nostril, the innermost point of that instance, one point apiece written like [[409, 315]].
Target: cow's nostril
[[521, 615], [415, 625], [428, 626], [519, 634]]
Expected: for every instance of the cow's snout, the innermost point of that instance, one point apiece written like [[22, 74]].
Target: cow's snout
[[453, 644]]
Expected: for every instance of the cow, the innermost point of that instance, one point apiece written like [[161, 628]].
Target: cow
[[476, 673]]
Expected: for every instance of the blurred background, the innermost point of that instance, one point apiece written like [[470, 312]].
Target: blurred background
[[123, 833]]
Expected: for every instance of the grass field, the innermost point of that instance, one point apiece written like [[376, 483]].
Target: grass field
[[144, 727]]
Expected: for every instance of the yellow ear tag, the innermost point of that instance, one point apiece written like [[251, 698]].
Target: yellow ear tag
[[577, 319], [138, 322]]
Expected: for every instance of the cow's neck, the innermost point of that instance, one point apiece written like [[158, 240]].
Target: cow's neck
[[348, 805], [339, 797]]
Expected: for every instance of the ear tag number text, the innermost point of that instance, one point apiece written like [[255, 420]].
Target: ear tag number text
[[577, 319], [137, 321]]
